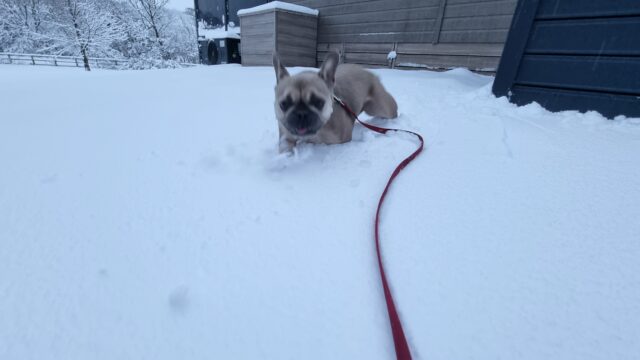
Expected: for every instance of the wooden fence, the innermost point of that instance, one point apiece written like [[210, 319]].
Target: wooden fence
[[436, 34], [66, 61], [53, 60]]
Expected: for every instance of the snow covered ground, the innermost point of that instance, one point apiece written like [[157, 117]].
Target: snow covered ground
[[147, 215]]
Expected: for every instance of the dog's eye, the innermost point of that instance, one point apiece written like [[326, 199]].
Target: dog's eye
[[316, 102], [285, 104]]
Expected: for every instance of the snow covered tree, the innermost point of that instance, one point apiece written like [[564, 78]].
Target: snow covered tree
[[84, 27], [180, 42], [136, 42], [152, 13], [157, 37], [144, 31], [20, 23]]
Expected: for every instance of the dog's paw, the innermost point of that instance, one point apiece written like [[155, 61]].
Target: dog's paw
[[296, 155], [280, 161]]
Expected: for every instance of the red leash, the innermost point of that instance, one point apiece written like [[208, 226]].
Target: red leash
[[399, 340]]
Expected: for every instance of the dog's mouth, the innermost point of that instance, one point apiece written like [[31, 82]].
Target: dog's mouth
[[302, 131]]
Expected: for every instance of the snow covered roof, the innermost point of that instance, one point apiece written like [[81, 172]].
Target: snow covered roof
[[279, 5], [220, 33]]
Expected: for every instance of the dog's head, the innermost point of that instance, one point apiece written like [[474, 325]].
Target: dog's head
[[304, 102]]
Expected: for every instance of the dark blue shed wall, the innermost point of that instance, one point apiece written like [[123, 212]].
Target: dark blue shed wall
[[574, 55]]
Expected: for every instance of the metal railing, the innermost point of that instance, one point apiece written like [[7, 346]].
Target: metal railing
[[55, 60]]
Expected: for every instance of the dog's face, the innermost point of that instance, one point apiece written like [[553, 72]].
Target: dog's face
[[304, 102]]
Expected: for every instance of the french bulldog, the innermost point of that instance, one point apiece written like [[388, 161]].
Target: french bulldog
[[306, 108]]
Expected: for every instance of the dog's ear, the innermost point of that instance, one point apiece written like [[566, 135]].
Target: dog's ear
[[328, 70], [281, 72]]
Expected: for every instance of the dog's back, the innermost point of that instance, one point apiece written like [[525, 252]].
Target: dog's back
[[363, 91]]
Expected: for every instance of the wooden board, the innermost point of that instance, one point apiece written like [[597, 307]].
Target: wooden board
[[591, 73], [375, 8], [563, 9], [476, 37], [609, 105], [366, 58], [610, 36], [479, 23], [486, 63], [422, 13], [258, 18], [503, 7], [256, 60], [377, 37], [494, 50], [419, 25]]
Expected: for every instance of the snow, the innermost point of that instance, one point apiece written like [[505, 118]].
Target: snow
[[219, 33], [392, 55], [147, 215], [204, 31], [281, 6]]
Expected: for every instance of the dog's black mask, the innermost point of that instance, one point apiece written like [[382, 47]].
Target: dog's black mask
[[302, 121]]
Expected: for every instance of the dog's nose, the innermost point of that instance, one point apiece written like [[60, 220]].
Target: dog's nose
[[302, 115]]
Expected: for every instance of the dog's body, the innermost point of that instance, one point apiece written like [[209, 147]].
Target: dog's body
[[305, 108]]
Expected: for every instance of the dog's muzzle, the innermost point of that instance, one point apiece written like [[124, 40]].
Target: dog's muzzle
[[303, 122]]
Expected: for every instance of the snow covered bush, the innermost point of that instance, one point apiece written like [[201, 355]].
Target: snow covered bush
[[151, 63]]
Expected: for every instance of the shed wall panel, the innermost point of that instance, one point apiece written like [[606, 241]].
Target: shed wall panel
[[558, 9], [292, 35], [609, 105], [591, 73], [574, 55], [607, 36]]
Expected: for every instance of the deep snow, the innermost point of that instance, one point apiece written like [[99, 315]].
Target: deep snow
[[147, 215]]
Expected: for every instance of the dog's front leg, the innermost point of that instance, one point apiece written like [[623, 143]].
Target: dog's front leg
[[285, 144]]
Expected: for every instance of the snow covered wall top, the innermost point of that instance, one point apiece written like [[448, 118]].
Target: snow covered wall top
[[279, 5]]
